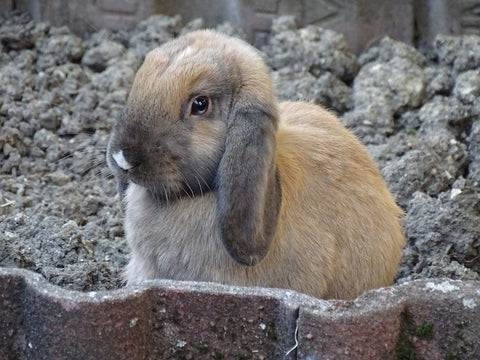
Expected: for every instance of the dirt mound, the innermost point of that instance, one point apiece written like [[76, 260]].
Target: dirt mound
[[418, 114]]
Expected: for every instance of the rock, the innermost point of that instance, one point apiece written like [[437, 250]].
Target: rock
[[401, 82], [442, 231], [388, 48], [60, 48], [311, 49], [17, 32], [11, 162], [439, 80], [460, 52], [333, 93], [98, 57], [420, 169], [474, 153], [467, 86], [390, 82], [118, 76], [446, 112], [52, 119], [293, 85], [327, 90], [396, 69], [373, 123], [15, 82], [153, 32], [59, 178]]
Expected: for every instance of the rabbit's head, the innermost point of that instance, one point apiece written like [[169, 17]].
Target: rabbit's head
[[202, 116]]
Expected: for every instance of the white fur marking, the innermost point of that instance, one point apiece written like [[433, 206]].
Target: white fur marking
[[188, 51], [121, 161]]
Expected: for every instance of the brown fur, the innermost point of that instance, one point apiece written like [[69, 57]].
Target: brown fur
[[284, 188]]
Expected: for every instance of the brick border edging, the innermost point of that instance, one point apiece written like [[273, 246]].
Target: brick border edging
[[434, 319]]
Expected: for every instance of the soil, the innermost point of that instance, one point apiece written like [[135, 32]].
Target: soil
[[417, 113]]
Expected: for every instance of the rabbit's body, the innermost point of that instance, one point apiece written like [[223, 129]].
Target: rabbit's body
[[314, 152], [288, 201]]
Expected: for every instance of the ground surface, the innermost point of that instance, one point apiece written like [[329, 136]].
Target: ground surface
[[418, 114]]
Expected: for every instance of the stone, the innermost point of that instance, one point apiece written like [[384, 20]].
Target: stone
[[388, 48], [327, 90], [474, 150], [153, 32], [60, 178], [439, 81], [467, 86], [438, 244], [98, 57], [313, 50], [461, 52], [401, 80], [172, 319]]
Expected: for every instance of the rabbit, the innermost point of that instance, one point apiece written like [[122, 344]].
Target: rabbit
[[222, 183]]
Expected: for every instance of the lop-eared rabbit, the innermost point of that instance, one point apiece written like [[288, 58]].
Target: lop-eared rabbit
[[222, 183]]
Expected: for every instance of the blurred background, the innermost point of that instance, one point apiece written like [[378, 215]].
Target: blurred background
[[362, 22]]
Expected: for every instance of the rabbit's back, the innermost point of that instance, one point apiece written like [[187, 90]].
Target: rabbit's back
[[338, 218]]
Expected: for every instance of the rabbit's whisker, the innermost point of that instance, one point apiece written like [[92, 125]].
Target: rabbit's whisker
[[199, 186], [192, 193], [65, 157], [203, 180], [166, 195]]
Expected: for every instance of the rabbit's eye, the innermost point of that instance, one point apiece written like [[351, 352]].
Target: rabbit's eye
[[199, 105]]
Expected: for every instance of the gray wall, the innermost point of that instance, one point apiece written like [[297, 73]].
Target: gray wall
[[361, 21]]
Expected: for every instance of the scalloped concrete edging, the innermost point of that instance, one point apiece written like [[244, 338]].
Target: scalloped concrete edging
[[429, 319]]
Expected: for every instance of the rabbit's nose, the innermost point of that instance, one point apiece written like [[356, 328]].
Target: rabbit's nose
[[127, 160], [121, 161]]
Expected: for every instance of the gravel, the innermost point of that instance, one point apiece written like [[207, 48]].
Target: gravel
[[418, 114]]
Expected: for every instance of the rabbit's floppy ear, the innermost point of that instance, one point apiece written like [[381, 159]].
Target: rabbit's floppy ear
[[249, 193]]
